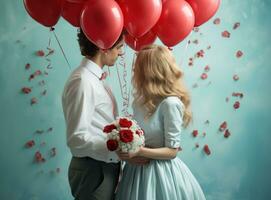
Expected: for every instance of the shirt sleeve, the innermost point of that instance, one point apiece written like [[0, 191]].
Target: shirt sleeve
[[173, 120], [78, 106]]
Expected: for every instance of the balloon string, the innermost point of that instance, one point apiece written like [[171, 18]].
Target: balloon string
[[185, 50], [120, 82], [61, 48], [133, 63], [125, 86], [50, 36]]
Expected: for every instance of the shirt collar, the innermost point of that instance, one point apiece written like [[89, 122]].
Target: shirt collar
[[92, 67]]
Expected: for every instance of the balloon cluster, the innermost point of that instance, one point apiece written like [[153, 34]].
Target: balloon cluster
[[102, 21]]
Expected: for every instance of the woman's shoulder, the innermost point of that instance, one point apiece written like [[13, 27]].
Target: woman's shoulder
[[171, 106], [171, 101]]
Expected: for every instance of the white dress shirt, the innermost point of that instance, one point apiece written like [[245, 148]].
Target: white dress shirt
[[88, 107]]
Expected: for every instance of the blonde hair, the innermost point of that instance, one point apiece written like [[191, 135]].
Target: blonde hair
[[157, 76]]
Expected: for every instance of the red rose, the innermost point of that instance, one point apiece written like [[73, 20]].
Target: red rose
[[125, 123], [126, 136], [138, 132], [112, 145], [109, 128]]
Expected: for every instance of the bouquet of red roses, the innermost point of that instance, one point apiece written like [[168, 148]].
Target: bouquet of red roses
[[125, 135]]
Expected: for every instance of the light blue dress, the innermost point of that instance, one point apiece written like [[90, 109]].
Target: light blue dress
[[161, 179]]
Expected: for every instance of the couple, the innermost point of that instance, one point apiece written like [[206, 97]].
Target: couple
[[160, 108]]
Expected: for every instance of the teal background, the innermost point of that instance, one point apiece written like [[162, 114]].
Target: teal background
[[238, 167]]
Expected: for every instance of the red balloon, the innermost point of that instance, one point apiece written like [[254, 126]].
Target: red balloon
[[139, 43], [140, 15], [203, 9], [102, 22], [71, 11], [176, 22], [76, 1], [46, 12]]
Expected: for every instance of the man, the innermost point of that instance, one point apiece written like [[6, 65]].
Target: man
[[89, 105]]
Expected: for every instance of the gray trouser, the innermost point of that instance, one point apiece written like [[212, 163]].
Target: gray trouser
[[92, 179]]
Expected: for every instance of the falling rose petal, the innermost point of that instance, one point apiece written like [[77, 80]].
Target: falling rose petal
[[197, 145], [44, 92], [195, 85], [236, 105], [226, 34], [223, 126], [195, 41], [46, 73], [227, 133], [236, 25], [39, 131], [209, 47], [42, 83], [37, 73], [42, 143], [200, 53], [204, 76], [27, 66], [58, 170], [207, 149], [50, 129], [53, 152], [238, 94], [216, 21], [26, 90], [195, 133], [29, 144], [49, 66], [204, 134], [207, 68], [40, 53], [39, 158], [239, 54], [227, 99], [34, 100], [196, 29], [190, 63], [235, 77], [207, 122], [32, 76]]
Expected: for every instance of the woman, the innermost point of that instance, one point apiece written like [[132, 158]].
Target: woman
[[161, 109]]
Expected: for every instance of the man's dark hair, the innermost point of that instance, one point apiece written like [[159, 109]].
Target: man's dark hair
[[87, 47]]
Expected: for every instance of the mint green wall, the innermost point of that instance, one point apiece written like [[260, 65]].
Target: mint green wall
[[238, 167]]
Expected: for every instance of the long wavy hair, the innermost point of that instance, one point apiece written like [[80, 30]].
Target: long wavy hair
[[157, 76]]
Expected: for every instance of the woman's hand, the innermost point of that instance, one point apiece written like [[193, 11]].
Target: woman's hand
[[128, 155]]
